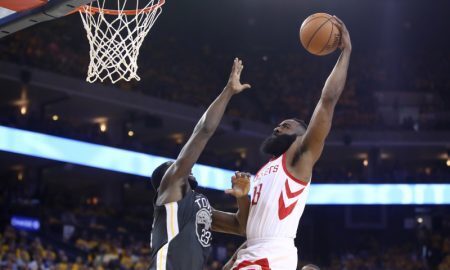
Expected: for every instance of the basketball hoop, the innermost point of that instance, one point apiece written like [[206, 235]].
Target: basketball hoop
[[115, 37]]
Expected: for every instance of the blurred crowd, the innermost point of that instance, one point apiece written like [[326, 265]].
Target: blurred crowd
[[434, 255], [62, 246], [21, 250], [78, 230], [339, 172], [397, 258], [98, 248], [284, 85]]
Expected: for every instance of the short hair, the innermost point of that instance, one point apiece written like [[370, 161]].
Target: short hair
[[311, 267], [159, 173], [301, 122]]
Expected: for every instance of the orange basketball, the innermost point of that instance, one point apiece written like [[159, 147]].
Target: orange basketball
[[319, 35]]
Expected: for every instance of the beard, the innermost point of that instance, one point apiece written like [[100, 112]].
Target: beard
[[276, 145]]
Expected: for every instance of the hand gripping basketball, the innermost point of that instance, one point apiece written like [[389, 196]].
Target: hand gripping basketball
[[345, 43], [321, 34], [240, 185]]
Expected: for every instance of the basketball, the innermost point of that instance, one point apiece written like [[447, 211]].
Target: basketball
[[319, 35]]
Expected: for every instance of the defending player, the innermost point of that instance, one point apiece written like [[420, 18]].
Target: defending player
[[181, 236]]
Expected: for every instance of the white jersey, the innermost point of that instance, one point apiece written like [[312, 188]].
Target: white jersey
[[277, 202]]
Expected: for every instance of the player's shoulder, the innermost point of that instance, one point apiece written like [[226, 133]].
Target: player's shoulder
[[296, 167], [193, 197], [197, 195]]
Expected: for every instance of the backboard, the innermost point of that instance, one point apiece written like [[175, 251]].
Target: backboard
[[17, 15]]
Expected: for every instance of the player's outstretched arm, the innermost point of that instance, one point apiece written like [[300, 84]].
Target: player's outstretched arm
[[320, 124], [234, 223], [169, 190]]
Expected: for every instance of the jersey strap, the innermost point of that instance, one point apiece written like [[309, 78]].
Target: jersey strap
[[172, 231]]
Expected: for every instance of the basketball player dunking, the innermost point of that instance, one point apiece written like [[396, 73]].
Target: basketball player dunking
[[181, 236], [281, 186]]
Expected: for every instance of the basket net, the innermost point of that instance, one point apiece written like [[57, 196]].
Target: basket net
[[116, 37]]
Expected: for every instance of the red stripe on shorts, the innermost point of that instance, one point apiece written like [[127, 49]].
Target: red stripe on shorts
[[262, 263]]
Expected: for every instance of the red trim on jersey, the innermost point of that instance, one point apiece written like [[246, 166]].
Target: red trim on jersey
[[263, 263], [283, 162], [284, 211], [291, 194]]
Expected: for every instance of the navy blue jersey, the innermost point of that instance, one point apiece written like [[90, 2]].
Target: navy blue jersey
[[181, 236]]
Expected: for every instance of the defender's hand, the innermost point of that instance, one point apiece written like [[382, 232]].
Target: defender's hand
[[346, 43], [234, 82], [240, 185]]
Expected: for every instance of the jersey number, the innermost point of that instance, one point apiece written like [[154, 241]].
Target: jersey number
[[256, 194], [206, 236]]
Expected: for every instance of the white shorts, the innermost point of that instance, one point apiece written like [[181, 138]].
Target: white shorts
[[267, 254]]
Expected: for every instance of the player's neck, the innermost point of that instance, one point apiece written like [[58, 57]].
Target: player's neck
[[186, 189]]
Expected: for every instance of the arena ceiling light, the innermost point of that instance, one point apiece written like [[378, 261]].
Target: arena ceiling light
[[125, 161]]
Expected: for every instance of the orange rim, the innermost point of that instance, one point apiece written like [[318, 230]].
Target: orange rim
[[93, 10]]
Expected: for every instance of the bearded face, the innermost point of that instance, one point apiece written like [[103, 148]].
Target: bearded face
[[276, 145]]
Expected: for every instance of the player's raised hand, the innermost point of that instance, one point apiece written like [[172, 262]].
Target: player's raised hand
[[346, 43], [234, 82], [240, 185]]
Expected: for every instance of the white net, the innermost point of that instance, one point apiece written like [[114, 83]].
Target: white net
[[115, 39]]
